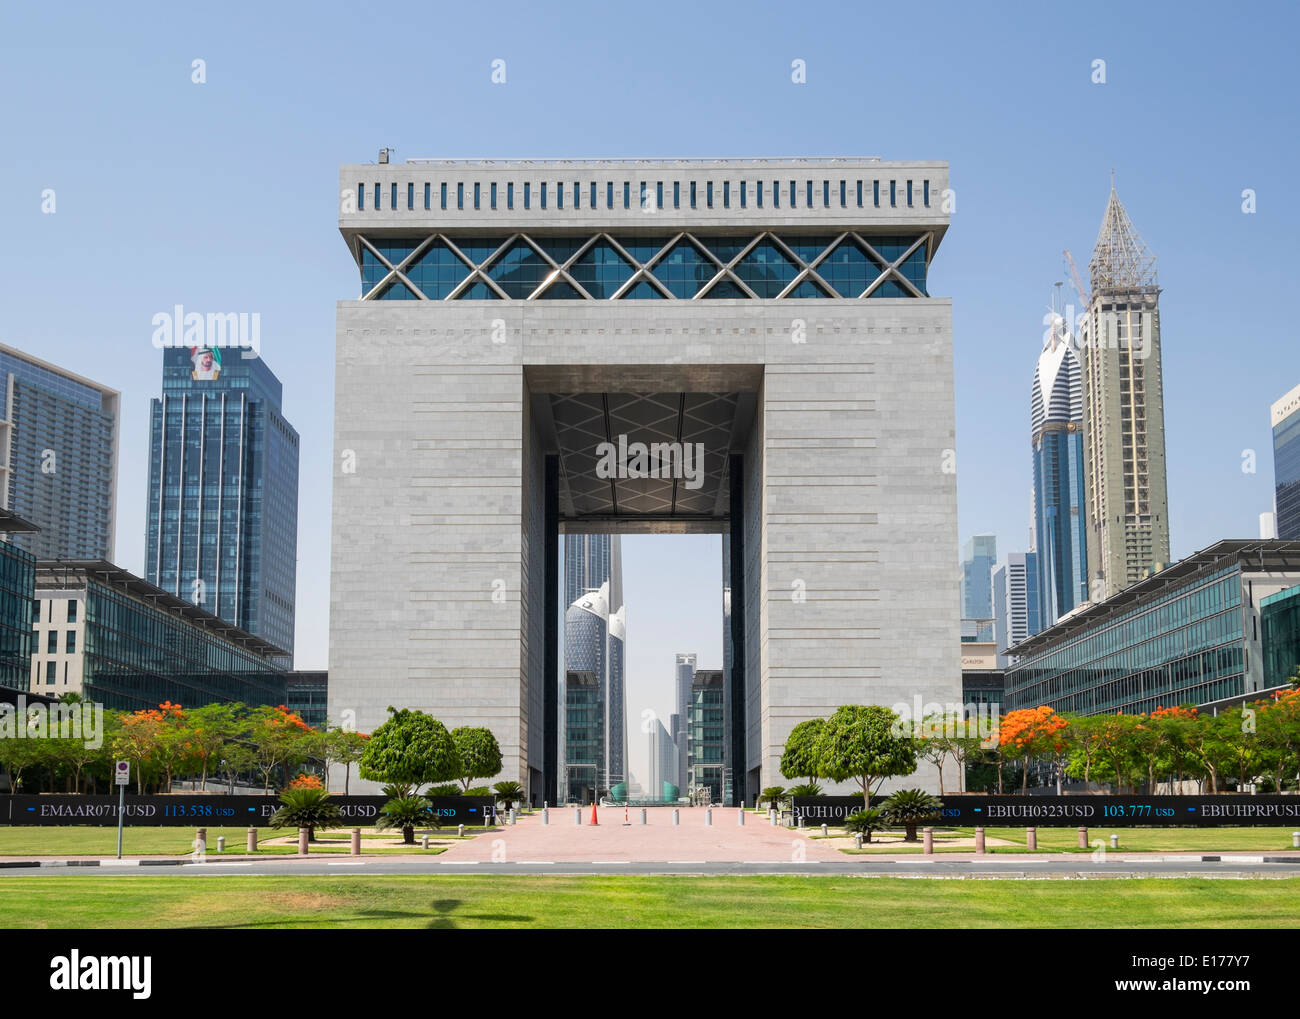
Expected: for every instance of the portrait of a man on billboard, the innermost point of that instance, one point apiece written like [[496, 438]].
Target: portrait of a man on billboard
[[206, 361]]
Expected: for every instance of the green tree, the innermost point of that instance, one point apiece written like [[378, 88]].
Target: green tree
[[773, 795], [863, 743], [480, 754], [345, 747], [211, 727], [799, 759], [306, 808], [410, 749], [280, 739], [910, 808], [508, 793]]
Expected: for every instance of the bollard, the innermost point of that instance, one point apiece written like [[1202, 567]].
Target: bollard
[[356, 841], [643, 815], [546, 815], [708, 815], [1083, 838], [514, 815], [424, 841], [1114, 842], [252, 840], [221, 843], [302, 841], [460, 831], [800, 820], [979, 840], [676, 816], [577, 815], [824, 832], [771, 818], [1031, 839], [201, 836], [1295, 840], [857, 839], [740, 817], [929, 840]]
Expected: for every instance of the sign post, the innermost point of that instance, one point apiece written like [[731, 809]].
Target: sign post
[[121, 775]]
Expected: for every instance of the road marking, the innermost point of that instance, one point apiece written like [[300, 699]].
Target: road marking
[[536, 863], [222, 863], [334, 863], [1241, 859], [691, 862], [611, 863], [460, 863]]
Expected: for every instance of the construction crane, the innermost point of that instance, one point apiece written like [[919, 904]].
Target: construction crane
[[1084, 296]]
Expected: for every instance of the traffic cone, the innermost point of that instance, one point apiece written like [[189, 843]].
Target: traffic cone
[[593, 813]]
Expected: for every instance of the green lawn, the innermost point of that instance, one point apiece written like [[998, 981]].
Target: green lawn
[[465, 901], [86, 840], [1148, 840]]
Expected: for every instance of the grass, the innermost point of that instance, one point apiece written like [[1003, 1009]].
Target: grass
[[1147, 840], [466, 901], [89, 840]]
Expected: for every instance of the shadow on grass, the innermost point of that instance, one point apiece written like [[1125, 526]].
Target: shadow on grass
[[446, 913]]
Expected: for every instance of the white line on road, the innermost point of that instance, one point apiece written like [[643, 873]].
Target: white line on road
[[346, 863], [611, 863], [536, 863], [691, 862], [459, 863]]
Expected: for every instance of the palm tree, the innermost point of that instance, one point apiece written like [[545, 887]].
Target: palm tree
[[405, 812], [865, 822], [773, 794], [306, 808], [508, 793], [807, 789], [910, 807]]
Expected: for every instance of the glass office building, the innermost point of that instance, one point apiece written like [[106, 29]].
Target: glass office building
[[978, 559], [307, 696], [1286, 465], [1016, 604], [1280, 621], [17, 583], [114, 638], [58, 440], [222, 527], [1056, 428], [1190, 634], [706, 735]]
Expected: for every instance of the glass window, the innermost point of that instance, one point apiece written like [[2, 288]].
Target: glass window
[[708, 194], [925, 193], [643, 198], [492, 196], [410, 195], [909, 192], [541, 194], [627, 195], [793, 203], [609, 194], [677, 194], [593, 194], [477, 189], [72, 609], [893, 192], [875, 192], [52, 642], [510, 195], [826, 194], [444, 195], [428, 188], [393, 197], [758, 193], [70, 642], [577, 194], [379, 196], [460, 195], [559, 196], [726, 194], [843, 194], [692, 194], [361, 197], [776, 194], [859, 194], [50, 669]]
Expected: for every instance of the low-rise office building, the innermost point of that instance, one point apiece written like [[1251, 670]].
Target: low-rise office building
[[17, 581], [1199, 632], [114, 638]]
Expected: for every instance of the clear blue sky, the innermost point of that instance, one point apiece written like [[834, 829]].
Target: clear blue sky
[[223, 196]]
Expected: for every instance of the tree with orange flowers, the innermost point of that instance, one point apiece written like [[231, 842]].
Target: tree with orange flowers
[[1029, 733], [1278, 728], [280, 739]]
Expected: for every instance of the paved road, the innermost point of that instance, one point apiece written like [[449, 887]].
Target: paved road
[[1116, 866]]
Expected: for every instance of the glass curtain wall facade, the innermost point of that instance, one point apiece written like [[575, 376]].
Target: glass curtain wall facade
[[1183, 646], [585, 697], [1286, 465], [978, 559], [58, 438], [17, 582], [1280, 625], [222, 528], [706, 730]]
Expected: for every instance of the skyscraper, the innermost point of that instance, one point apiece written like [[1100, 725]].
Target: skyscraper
[[222, 526], [663, 764], [978, 559], [1285, 416], [681, 718], [1056, 429], [58, 440], [1123, 410], [1016, 603]]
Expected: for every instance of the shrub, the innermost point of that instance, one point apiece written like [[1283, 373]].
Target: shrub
[[306, 808], [405, 812], [448, 789], [865, 822], [808, 789], [305, 781], [909, 808]]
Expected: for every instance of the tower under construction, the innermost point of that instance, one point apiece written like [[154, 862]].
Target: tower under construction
[[1123, 410]]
